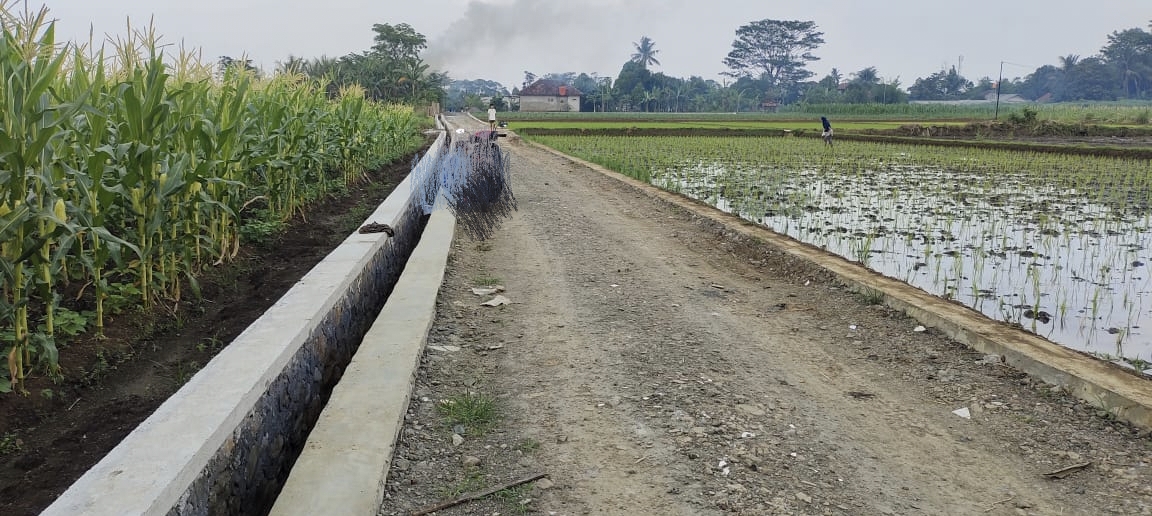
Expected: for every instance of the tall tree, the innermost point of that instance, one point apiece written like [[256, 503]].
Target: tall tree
[[645, 52], [1045, 80], [398, 42], [589, 85], [292, 64], [321, 66], [942, 85], [775, 50], [631, 84], [227, 62], [832, 80], [889, 93], [1129, 52], [562, 77], [1091, 79], [861, 89], [867, 76], [1068, 62], [409, 75], [391, 70], [826, 90]]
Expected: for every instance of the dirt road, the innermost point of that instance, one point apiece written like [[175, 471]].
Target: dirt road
[[651, 364]]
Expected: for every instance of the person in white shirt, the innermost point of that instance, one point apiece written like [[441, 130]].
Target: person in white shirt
[[491, 116]]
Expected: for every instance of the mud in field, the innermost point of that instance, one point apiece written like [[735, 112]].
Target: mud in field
[[55, 434], [652, 362]]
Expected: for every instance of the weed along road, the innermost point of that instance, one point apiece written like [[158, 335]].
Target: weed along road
[[650, 361]]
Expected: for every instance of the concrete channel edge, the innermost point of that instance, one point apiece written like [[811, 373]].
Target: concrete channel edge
[[224, 442], [1122, 394], [345, 462]]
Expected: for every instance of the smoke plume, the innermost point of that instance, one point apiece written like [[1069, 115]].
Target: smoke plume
[[499, 41]]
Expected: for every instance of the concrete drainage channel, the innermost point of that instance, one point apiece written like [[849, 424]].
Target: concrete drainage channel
[[344, 466], [226, 442], [1124, 395]]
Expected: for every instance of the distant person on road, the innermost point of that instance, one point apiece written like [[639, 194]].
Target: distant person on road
[[491, 116], [827, 134]]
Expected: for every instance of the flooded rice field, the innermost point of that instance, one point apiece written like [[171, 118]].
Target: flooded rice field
[[1056, 244]]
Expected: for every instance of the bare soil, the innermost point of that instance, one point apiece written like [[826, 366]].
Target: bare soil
[[51, 437], [651, 362], [1119, 141]]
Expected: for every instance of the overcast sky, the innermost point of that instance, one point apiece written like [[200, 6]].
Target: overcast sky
[[500, 39]]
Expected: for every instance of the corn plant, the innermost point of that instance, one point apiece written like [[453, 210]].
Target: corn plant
[[30, 216], [129, 172]]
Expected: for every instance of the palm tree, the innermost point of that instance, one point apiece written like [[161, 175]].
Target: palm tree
[[1068, 72], [291, 65], [411, 74], [835, 75], [1068, 62], [867, 76], [645, 52], [320, 66]]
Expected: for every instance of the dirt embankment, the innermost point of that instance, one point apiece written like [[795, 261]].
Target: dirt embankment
[[1044, 136], [650, 362], [1090, 140]]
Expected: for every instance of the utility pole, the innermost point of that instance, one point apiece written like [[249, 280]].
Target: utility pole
[[998, 81]]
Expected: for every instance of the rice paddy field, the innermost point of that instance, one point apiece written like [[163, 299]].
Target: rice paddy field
[[1057, 244]]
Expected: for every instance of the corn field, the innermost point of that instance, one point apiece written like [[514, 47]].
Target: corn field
[[126, 172]]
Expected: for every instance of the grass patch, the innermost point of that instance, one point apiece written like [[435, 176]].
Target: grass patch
[[213, 343], [486, 281], [870, 297], [528, 445], [263, 230], [512, 498], [9, 444], [474, 411], [184, 371], [471, 483]]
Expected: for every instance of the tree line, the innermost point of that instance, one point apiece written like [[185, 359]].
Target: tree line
[[392, 70], [766, 67]]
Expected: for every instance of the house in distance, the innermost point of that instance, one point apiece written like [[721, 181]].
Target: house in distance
[[549, 95]]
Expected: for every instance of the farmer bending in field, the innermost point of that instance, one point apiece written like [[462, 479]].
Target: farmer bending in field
[[491, 116], [827, 134]]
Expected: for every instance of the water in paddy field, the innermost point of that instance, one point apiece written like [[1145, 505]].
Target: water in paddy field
[[1074, 271]]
